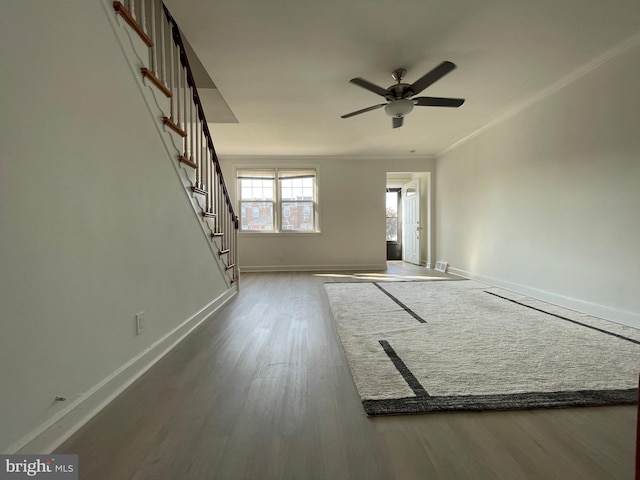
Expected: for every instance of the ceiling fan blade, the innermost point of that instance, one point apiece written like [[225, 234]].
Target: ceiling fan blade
[[361, 82], [432, 77], [397, 122], [438, 102], [358, 112]]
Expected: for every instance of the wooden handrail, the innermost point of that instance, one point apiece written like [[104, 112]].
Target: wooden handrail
[[196, 98], [169, 70]]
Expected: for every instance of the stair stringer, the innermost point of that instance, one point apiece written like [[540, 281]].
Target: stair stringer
[[136, 54]]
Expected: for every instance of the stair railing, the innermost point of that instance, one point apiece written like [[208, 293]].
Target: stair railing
[[169, 70]]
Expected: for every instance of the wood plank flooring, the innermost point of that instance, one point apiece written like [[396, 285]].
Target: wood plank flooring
[[263, 391]]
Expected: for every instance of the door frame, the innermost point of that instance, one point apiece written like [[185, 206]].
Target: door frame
[[398, 178]]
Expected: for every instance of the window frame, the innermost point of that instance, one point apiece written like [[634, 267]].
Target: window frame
[[398, 216], [279, 173], [262, 197]]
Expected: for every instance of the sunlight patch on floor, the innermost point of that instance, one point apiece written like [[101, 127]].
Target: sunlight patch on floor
[[376, 276]]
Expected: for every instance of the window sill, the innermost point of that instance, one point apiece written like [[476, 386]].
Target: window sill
[[258, 233]]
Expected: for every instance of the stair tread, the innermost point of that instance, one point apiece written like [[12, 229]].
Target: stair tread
[[187, 161], [174, 126], [126, 15], [156, 81]]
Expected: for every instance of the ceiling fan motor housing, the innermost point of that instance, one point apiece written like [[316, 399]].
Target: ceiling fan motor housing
[[398, 91]]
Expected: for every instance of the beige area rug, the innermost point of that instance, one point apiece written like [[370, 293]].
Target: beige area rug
[[416, 347]]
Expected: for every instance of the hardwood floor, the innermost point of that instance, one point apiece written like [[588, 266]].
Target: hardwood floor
[[263, 391]]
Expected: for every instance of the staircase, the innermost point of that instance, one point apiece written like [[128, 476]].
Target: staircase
[[167, 70]]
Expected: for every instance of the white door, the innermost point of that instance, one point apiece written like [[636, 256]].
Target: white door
[[411, 222]]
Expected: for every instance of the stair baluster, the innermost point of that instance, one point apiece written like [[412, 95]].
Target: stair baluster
[[170, 72]]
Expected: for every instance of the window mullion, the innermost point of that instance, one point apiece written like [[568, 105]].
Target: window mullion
[[278, 202]]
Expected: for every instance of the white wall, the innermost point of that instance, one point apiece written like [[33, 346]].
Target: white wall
[[547, 202], [95, 225], [352, 205]]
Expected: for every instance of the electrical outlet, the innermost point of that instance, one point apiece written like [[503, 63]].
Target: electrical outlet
[[140, 320]]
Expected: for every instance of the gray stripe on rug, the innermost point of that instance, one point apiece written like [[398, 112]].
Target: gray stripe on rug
[[516, 401], [406, 309], [402, 368], [617, 335]]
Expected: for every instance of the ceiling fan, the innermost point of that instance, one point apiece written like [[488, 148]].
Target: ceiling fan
[[399, 96]]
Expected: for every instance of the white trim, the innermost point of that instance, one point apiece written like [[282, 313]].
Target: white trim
[[602, 311], [48, 436], [287, 159], [284, 233], [313, 268], [610, 54]]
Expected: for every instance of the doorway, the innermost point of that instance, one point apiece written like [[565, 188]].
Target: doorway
[[409, 233]]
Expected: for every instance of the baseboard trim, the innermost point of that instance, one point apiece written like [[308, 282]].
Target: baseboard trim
[[313, 268], [602, 311], [51, 434]]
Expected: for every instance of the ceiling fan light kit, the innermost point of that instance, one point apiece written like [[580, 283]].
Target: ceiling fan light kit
[[398, 108], [399, 96]]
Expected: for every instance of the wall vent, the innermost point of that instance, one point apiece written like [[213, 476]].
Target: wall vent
[[441, 266]]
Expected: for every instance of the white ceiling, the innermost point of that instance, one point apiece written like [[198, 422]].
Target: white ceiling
[[283, 66]]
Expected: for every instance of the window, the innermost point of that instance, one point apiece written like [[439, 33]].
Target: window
[[392, 215], [278, 200], [297, 195], [257, 198]]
